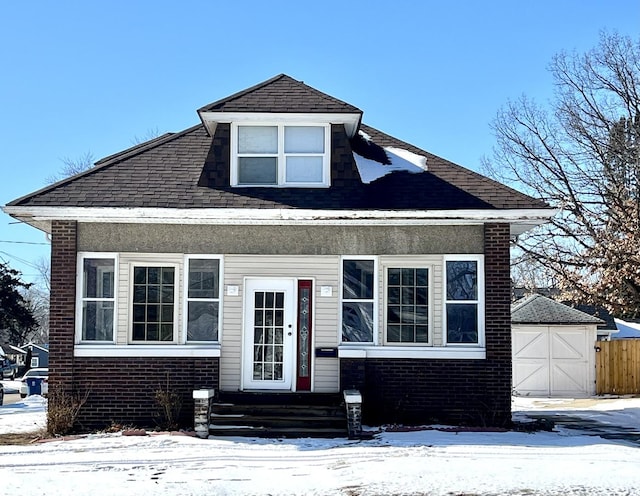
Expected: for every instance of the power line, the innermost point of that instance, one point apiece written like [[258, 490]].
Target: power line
[[23, 242], [21, 260]]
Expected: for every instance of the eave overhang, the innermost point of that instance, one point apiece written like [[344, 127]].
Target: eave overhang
[[520, 220], [351, 121]]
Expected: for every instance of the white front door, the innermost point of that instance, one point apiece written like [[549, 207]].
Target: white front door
[[268, 333]]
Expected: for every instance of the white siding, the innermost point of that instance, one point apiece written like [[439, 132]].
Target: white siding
[[323, 270]]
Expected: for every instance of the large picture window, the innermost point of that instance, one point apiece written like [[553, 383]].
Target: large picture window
[[153, 303], [203, 299], [98, 280], [463, 293], [407, 305], [358, 297], [275, 155]]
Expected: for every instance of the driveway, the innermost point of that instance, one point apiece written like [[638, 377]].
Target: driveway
[[609, 417]]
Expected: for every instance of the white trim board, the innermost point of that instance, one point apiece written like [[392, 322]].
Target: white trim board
[[520, 219], [134, 350], [412, 352]]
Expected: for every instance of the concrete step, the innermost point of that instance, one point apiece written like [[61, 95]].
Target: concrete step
[[278, 415]]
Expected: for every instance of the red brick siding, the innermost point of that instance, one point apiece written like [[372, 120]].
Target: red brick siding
[[473, 392], [121, 390], [62, 304]]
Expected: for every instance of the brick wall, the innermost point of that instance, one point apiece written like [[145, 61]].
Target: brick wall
[[471, 392], [121, 390], [62, 304]]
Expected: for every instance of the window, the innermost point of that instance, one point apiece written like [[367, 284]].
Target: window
[[97, 295], [358, 297], [464, 319], [35, 362], [153, 303], [203, 299], [277, 155], [407, 305]]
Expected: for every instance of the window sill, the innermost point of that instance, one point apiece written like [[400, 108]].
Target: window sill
[[137, 350], [412, 352]]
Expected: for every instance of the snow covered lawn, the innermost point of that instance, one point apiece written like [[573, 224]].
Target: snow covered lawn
[[422, 462]]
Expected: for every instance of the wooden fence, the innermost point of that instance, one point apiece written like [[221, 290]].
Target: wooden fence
[[618, 366]]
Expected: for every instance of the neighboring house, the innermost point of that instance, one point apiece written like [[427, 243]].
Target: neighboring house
[[281, 245], [39, 355], [627, 329], [13, 353], [11, 360], [553, 348]]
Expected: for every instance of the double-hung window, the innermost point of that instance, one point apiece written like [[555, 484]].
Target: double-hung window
[[97, 294], [280, 155], [407, 305], [154, 303], [202, 298], [358, 300], [464, 312]]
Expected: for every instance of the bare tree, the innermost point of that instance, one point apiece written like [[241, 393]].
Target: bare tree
[[71, 167], [582, 155], [151, 133]]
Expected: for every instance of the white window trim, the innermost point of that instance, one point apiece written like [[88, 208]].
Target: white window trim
[[409, 265], [144, 350], [412, 352], [281, 161], [186, 299], [35, 362], [176, 301], [376, 285], [79, 297], [480, 301]]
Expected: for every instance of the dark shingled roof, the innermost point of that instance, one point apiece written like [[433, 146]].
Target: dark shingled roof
[[182, 170], [538, 309], [280, 94]]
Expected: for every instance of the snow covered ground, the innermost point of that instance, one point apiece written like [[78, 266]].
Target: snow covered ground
[[431, 462]]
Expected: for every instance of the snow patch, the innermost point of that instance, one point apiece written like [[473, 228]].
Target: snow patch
[[401, 160], [434, 462]]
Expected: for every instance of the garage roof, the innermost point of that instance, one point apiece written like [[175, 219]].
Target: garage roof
[[538, 309]]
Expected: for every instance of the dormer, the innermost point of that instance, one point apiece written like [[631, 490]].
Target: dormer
[[280, 133]]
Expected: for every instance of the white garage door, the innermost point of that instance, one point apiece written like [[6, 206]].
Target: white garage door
[[554, 360]]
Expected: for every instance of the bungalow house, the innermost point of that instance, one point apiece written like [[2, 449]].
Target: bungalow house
[[282, 247]]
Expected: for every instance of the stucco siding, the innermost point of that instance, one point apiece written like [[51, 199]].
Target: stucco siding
[[280, 240]]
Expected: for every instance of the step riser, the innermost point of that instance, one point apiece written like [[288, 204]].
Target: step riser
[[280, 422], [321, 417]]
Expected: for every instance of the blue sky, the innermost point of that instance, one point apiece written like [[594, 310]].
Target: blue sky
[[78, 76]]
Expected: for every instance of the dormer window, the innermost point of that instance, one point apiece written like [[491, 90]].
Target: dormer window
[[280, 155]]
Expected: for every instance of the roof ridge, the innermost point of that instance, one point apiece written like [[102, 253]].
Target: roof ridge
[[108, 161], [243, 92], [524, 301], [282, 76], [132, 148]]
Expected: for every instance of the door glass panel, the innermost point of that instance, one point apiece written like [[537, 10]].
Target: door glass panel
[[268, 336]]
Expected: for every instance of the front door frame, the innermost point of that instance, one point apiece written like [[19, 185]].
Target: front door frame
[[289, 287]]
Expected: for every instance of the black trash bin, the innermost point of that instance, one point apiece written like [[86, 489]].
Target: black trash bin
[[34, 385]]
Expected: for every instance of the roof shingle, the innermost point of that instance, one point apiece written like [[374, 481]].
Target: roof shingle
[[188, 170], [281, 93], [538, 309]]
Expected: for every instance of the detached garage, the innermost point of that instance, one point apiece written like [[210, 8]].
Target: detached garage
[[553, 349]]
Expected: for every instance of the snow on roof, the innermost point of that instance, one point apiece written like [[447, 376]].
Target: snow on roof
[[399, 158]]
